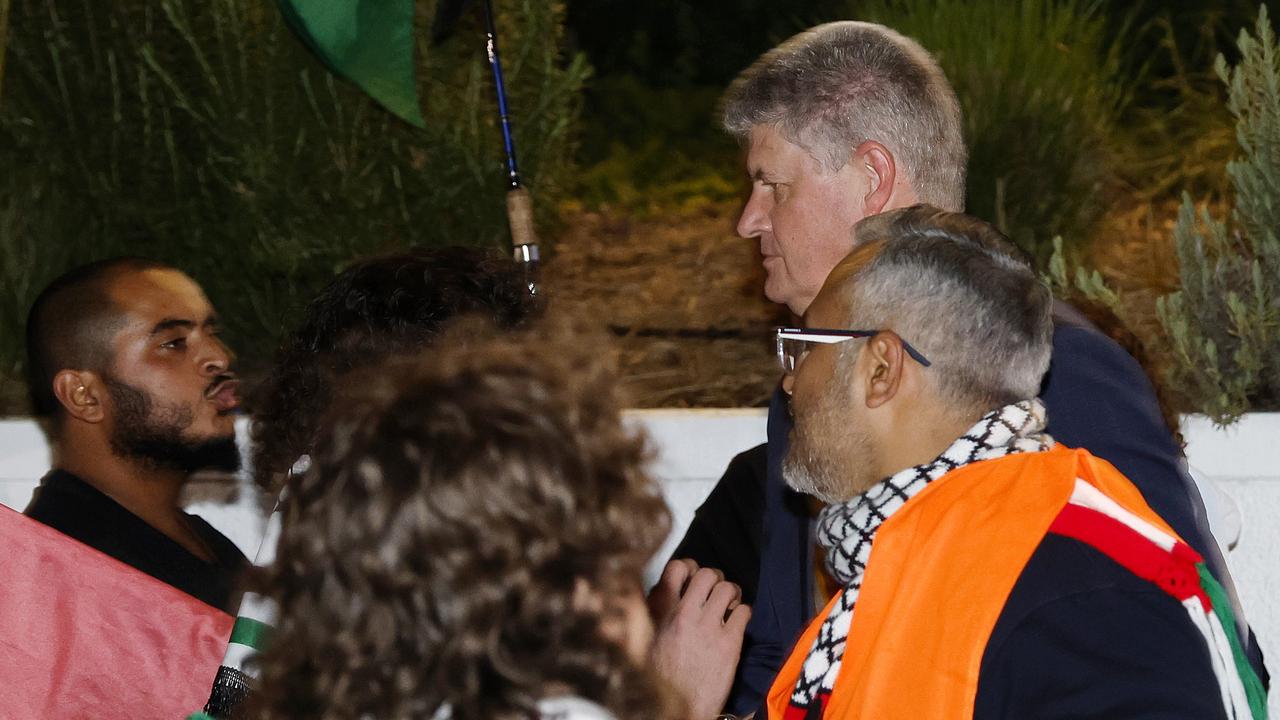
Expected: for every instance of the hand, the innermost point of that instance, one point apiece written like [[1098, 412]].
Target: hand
[[699, 634], [664, 596]]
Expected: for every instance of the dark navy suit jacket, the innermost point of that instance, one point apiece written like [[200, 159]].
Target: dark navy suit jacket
[[1097, 397]]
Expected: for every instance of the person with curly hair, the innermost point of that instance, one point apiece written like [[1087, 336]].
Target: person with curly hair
[[469, 542], [379, 307], [382, 306]]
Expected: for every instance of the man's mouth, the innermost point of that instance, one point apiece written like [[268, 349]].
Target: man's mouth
[[225, 395]]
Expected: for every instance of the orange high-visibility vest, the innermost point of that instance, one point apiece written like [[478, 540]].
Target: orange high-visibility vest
[[940, 570]]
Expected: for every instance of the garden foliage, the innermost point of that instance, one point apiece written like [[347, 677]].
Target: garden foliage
[[1220, 331], [1040, 85], [1223, 325], [201, 133]]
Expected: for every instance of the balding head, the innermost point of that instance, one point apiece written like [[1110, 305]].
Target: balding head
[[71, 324]]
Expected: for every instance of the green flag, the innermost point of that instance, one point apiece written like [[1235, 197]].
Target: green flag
[[369, 42]]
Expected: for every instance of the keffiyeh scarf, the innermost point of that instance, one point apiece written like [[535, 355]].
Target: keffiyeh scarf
[[847, 530]]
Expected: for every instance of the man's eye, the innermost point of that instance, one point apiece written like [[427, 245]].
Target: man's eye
[[175, 344]]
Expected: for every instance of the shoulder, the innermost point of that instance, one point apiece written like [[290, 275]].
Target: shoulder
[[59, 492], [75, 508], [1084, 356], [1082, 636]]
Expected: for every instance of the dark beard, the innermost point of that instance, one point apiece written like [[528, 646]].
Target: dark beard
[[155, 437]]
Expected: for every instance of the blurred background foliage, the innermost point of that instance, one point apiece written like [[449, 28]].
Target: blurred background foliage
[[199, 132], [202, 134], [1042, 89], [1219, 326]]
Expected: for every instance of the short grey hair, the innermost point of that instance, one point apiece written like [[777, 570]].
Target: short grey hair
[[959, 292], [835, 86]]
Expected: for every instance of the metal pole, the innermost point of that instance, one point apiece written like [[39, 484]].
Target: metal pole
[[524, 240]]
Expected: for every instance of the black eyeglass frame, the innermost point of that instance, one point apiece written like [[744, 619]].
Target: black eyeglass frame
[[828, 336]]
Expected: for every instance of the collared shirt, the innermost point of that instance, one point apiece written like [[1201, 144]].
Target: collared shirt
[[77, 509]]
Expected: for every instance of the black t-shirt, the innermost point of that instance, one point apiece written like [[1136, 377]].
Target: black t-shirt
[[726, 530], [75, 508]]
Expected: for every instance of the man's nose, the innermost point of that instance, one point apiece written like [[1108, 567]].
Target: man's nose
[[218, 359], [754, 220]]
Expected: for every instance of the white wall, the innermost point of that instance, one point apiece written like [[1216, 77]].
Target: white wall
[[695, 445]]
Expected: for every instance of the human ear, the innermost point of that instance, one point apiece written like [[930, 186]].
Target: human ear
[[882, 376], [80, 393], [881, 171]]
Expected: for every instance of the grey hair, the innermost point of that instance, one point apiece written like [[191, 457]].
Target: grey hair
[[835, 86], [960, 293]]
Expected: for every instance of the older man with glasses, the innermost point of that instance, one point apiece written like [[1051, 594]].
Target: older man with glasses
[[981, 569]]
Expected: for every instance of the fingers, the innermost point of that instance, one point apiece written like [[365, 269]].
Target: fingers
[[738, 618], [701, 585], [664, 596], [676, 574], [724, 597]]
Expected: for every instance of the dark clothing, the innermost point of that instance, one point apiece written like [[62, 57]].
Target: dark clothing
[[726, 530], [68, 504], [1097, 397], [1080, 636]]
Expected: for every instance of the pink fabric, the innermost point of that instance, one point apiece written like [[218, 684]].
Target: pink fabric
[[83, 635]]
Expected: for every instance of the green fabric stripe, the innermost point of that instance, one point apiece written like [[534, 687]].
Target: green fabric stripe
[[252, 633], [1253, 688], [369, 42]]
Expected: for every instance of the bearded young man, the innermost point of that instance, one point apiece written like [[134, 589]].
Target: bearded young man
[[982, 569], [841, 122], [126, 366]]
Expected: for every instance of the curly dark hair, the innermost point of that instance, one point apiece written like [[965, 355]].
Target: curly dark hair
[[375, 308], [436, 552]]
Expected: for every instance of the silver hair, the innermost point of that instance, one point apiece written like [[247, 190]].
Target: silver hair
[[960, 293], [835, 86]]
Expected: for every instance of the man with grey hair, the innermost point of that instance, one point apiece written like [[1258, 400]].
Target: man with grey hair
[[840, 123], [1005, 581]]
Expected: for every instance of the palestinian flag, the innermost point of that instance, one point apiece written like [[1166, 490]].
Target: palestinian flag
[[82, 635]]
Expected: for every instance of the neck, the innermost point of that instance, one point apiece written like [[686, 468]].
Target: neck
[[921, 436], [146, 491]]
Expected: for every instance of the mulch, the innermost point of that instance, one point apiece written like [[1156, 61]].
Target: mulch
[[682, 294]]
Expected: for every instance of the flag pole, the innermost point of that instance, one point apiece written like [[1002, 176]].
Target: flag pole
[[524, 240]]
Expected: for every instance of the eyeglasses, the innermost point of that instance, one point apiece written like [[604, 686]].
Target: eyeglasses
[[795, 343]]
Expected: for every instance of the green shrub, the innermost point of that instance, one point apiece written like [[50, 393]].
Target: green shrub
[[1223, 324], [202, 134], [1221, 329], [1040, 88], [1178, 134]]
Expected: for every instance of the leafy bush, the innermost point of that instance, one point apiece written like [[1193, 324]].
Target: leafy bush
[[1224, 324], [1040, 87], [1221, 329], [1178, 134], [202, 134]]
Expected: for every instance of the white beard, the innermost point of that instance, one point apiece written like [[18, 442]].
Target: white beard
[[829, 451]]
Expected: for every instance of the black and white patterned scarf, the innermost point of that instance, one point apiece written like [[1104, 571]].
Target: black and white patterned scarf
[[846, 530]]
